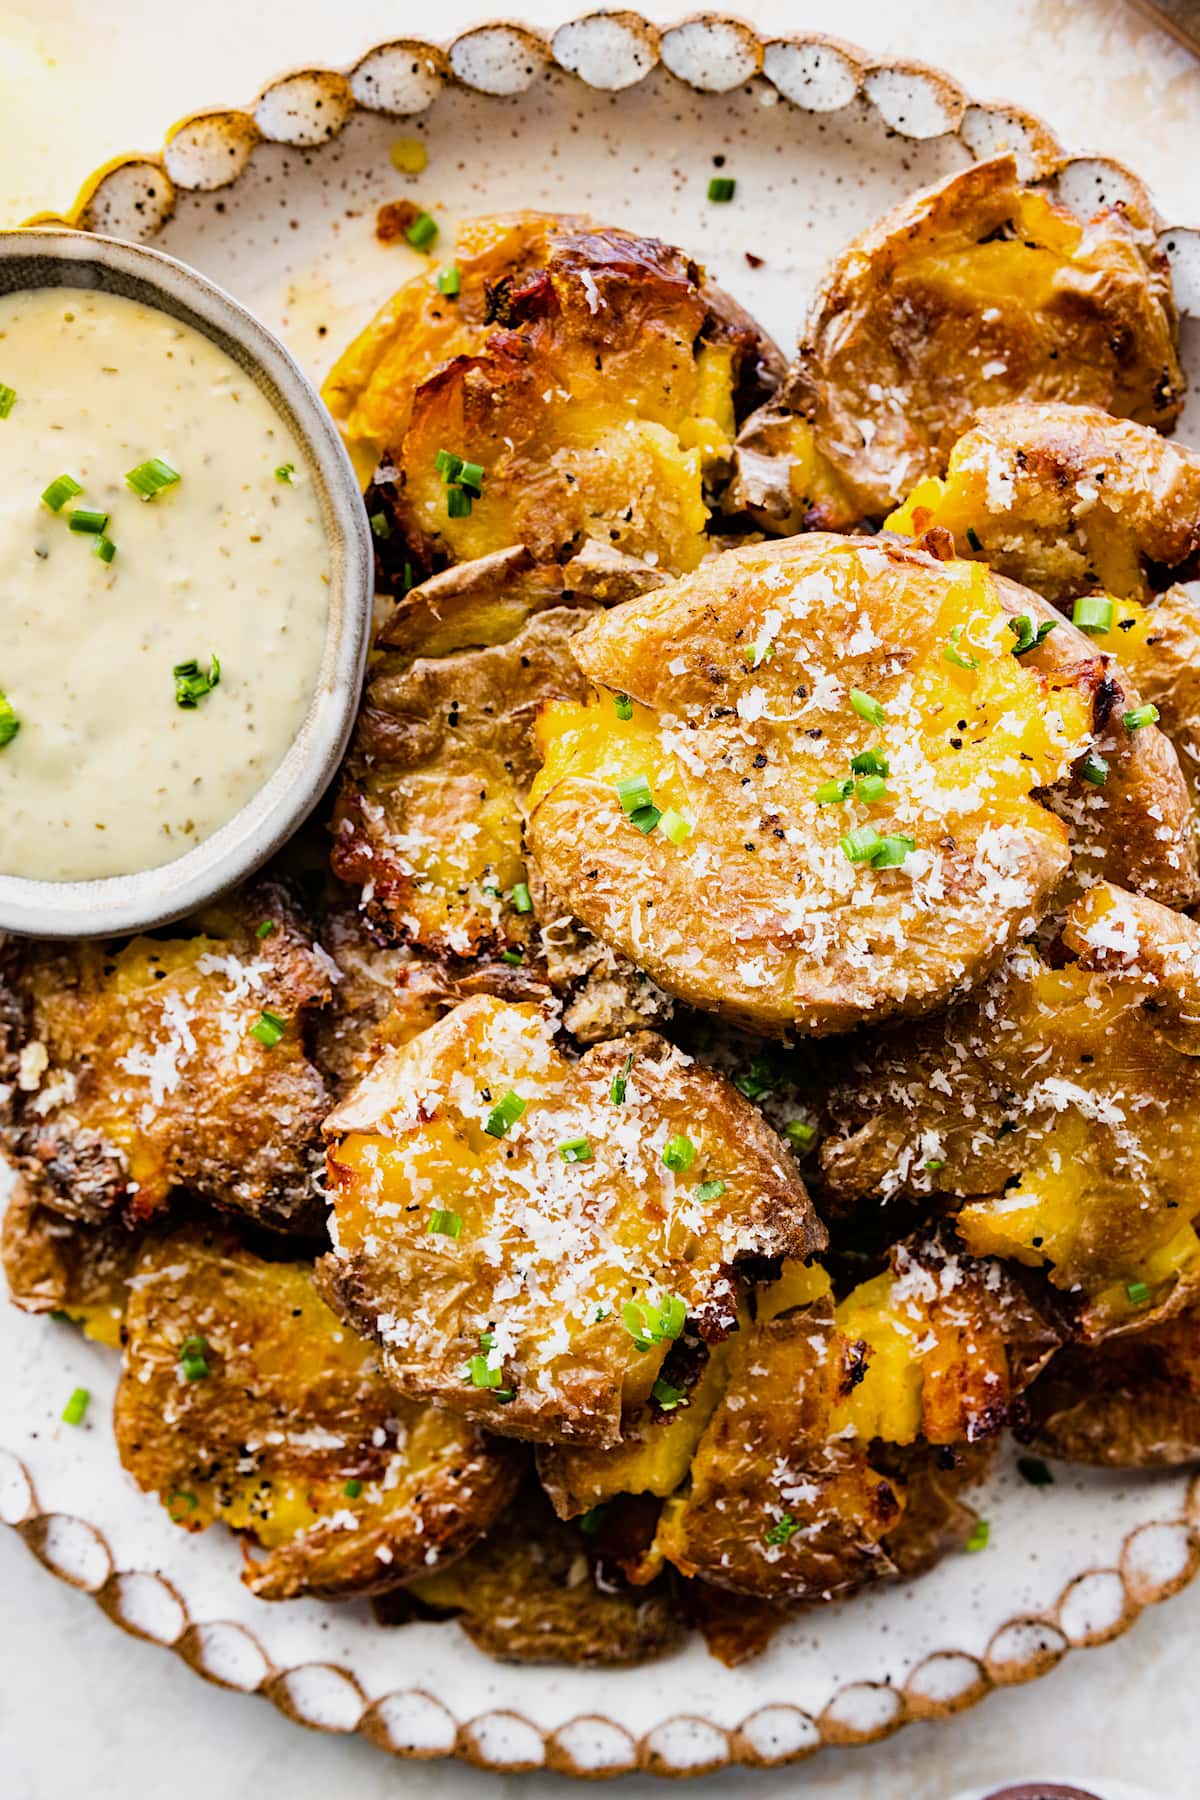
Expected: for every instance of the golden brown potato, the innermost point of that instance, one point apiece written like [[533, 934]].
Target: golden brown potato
[[168, 1063], [371, 1004], [429, 817], [593, 378], [244, 1399], [56, 1265], [1168, 674], [1066, 500], [781, 887], [936, 1519], [533, 1592], [527, 1236], [1133, 1403], [1060, 1105], [973, 293]]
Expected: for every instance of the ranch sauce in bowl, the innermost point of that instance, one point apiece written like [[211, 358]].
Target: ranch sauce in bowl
[[118, 750]]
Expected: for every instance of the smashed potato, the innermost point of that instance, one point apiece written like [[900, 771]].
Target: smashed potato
[[974, 293], [527, 1236], [1168, 675], [1059, 1105], [168, 1063], [244, 1399], [1132, 1403], [805, 793], [56, 1265], [1065, 499], [590, 380]]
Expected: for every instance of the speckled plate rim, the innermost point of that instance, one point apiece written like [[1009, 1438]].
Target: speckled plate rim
[[133, 196]]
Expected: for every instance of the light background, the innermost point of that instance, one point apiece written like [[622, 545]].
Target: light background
[[85, 1710]]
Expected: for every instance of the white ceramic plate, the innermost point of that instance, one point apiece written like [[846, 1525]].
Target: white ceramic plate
[[277, 202]]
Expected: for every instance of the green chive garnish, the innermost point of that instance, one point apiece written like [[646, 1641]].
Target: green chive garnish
[[1027, 637], [521, 898], [422, 233], [867, 708], [286, 472], [445, 1224], [870, 788], [504, 1115], [870, 762], [575, 1150], [1141, 715], [832, 793], [104, 548], [352, 1489], [759, 1079], [447, 465], [193, 1358], [513, 957], [1093, 613], [480, 1375], [591, 1521], [709, 1190], [9, 722], [1033, 1470], [616, 1092], [634, 794], [84, 519], [381, 526], [674, 826], [654, 1321], [893, 851], [623, 706], [799, 1133], [679, 1153], [449, 281], [191, 682], [666, 1396], [980, 1533], [268, 1029], [934, 1163], [784, 1528], [470, 475], [150, 478], [458, 503], [973, 539], [722, 187], [1094, 768], [61, 489], [862, 844], [266, 928], [76, 1406], [1137, 1293], [952, 654], [645, 818], [8, 399]]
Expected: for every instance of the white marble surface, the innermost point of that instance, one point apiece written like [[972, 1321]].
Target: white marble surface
[[86, 1710]]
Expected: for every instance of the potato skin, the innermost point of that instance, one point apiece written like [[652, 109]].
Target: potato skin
[[137, 1074], [792, 935], [1132, 1403], [413, 1135], [1169, 675], [974, 292], [292, 1406], [55, 1264]]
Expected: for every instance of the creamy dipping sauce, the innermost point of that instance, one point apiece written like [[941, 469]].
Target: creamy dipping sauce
[[107, 773]]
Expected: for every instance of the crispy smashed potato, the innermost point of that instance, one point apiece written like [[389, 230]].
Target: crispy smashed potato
[[1133, 1403], [1059, 1104], [533, 1592], [593, 381], [974, 293], [1065, 499], [54, 1264], [527, 1236], [1168, 675], [168, 1063], [429, 817], [244, 1399], [844, 749], [367, 1011]]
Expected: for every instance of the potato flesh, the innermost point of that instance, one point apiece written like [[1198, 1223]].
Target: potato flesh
[[826, 616]]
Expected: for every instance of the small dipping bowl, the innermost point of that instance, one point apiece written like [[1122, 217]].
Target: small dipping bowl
[[118, 904]]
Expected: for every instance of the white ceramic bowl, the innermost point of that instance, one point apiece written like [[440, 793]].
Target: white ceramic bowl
[[124, 903]]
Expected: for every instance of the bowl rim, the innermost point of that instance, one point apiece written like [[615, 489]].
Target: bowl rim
[[118, 904]]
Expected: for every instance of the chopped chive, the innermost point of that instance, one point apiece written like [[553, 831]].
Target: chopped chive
[[870, 762], [870, 788], [575, 1150], [934, 1163], [1137, 1293], [470, 475], [784, 1528], [1027, 637], [1094, 768], [866, 707], [973, 539], [9, 722], [191, 682], [1033, 1470], [61, 489], [759, 1079], [60, 1317], [981, 1531], [675, 826], [679, 1153], [799, 1133], [268, 1029], [193, 1358], [833, 792], [184, 1498], [458, 503], [504, 1395], [150, 478], [722, 187], [8, 399], [445, 1224], [85, 519], [759, 653], [616, 1092], [893, 851], [449, 281], [353, 1489], [286, 472], [381, 527], [422, 233], [654, 1321], [709, 1190], [591, 1521], [952, 654], [504, 1115], [645, 818], [634, 794], [666, 1396], [623, 706], [76, 1406], [266, 928], [521, 898], [1141, 715], [447, 465], [862, 844], [104, 548], [1093, 613], [512, 957], [480, 1375]]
